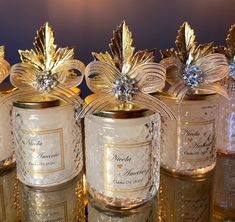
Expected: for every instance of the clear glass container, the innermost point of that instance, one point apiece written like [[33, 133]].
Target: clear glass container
[[145, 213], [122, 157], [224, 191], [7, 158], [185, 198], [7, 187], [59, 203], [188, 143], [48, 141], [226, 125]]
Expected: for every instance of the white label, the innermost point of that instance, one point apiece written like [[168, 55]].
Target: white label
[[42, 150], [127, 167], [197, 142], [54, 213], [2, 205]]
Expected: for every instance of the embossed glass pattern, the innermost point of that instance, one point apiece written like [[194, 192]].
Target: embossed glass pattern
[[122, 159], [48, 145], [6, 140], [7, 210], [188, 143], [224, 191], [185, 198], [226, 125], [60, 203]]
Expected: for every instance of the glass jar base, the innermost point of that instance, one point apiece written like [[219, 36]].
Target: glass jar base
[[187, 172], [226, 152], [103, 202], [7, 164], [223, 213]]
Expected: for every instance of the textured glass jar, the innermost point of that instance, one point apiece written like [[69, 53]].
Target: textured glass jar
[[185, 198], [7, 184], [224, 191], [60, 203], [145, 213], [226, 125], [7, 158], [122, 157], [188, 143], [48, 141]]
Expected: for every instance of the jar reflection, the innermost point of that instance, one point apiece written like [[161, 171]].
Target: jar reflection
[[61, 203], [185, 199], [7, 209], [224, 192], [145, 213]]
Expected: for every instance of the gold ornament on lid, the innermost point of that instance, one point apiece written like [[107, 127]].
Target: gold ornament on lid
[[47, 70], [4, 66], [229, 52], [125, 76], [193, 68]]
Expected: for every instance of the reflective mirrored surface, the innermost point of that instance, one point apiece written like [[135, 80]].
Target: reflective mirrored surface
[[206, 198]]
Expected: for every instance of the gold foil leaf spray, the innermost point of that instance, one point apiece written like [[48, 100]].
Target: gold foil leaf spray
[[47, 69], [4, 65], [125, 76], [193, 67]]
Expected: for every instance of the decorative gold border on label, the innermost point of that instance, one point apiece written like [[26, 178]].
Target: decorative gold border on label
[[125, 146], [60, 131], [2, 204], [191, 123]]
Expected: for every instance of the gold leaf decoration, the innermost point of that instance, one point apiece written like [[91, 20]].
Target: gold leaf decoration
[[202, 50], [231, 41], [2, 52], [185, 41]]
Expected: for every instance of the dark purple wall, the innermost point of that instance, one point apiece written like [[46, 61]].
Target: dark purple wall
[[88, 24]]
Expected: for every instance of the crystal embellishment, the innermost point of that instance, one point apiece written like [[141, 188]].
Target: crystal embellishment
[[232, 69], [192, 76], [124, 88], [46, 81]]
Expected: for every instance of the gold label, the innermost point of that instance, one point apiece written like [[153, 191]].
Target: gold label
[[52, 213], [42, 150], [197, 141], [2, 205], [127, 167]]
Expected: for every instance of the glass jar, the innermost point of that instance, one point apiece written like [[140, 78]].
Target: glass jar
[[122, 156], [224, 191], [48, 141], [188, 143], [185, 198], [7, 209], [226, 125], [59, 203], [7, 158], [145, 213]]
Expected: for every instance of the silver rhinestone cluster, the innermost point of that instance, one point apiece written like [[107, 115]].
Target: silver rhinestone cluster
[[124, 88], [192, 76], [232, 69], [46, 81]]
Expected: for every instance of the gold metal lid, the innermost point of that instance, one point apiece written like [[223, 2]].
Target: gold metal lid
[[40, 101], [122, 111], [193, 95]]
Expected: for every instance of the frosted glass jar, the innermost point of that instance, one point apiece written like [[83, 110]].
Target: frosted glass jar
[[122, 157], [7, 184], [224, 190], [48, 141], [188, 143], [186, 198], [7, 158], [226, 125], [60, 203]]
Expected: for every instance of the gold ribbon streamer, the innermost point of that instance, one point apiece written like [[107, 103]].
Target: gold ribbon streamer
[[148, 76], [214, 66], [55, 66]]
